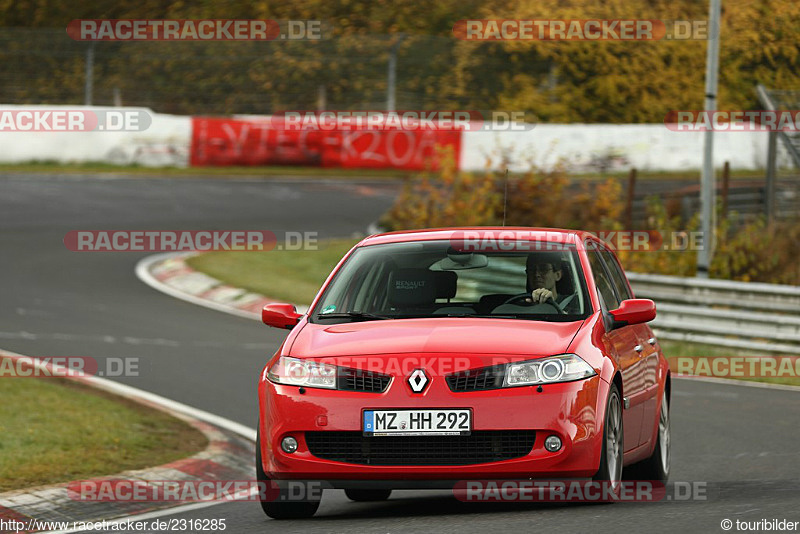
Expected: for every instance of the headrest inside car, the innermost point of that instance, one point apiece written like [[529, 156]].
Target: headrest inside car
[[412, 287], [446, 284]]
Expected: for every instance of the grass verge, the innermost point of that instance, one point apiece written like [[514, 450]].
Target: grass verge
[[54, 430], [320, 172], [288, 275], [201, 172]]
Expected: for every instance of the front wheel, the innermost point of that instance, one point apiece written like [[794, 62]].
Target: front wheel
[[280, 508], [610, 470]]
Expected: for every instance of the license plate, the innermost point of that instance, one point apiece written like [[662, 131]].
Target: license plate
[[417, 422]]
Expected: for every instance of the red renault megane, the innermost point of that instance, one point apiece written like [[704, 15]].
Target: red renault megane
[[438, 356]]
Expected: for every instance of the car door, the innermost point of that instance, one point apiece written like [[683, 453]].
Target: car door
[[647, 353], [622, 342]]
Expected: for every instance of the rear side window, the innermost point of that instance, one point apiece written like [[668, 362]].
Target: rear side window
[[617, 276], [602, 281]]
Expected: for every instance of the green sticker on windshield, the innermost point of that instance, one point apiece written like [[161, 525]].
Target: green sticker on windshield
[[329, 309]]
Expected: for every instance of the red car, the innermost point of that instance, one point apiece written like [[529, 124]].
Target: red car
[[437, 356]]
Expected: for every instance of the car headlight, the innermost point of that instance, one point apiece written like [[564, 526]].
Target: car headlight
[[562, 368], [297, 372]]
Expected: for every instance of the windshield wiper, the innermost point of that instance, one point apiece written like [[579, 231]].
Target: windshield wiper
[[364, 316], [546, 318]]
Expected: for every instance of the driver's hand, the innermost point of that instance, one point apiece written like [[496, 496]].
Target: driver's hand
[[541, 295]]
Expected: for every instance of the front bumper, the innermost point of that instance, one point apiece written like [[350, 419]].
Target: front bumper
[[573, 411]]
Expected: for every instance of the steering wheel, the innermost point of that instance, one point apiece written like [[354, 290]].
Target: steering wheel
[[521, 296]]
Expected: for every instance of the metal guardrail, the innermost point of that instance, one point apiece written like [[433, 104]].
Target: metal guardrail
[[739, 315], [745, 202]]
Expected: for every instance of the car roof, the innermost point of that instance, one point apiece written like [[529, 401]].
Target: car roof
[[481, 233]]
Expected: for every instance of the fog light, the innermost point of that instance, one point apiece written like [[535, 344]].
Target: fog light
[[289, 444], [552, 443]]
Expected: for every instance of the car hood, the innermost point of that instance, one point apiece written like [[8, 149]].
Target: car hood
[[439, 335]]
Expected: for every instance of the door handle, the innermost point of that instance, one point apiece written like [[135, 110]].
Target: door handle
[[638, 348], [652, 341]]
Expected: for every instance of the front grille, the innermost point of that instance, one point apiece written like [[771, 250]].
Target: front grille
[[477, 379], [479, 447], [360, 380]]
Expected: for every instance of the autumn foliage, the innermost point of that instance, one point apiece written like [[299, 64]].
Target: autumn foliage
[[556, 82], [750, 252]]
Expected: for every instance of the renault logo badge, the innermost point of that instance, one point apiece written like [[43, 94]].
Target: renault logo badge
[[418, 380]]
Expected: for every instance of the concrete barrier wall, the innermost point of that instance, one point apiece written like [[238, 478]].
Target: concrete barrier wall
[[580, 147], [590, 147], [164, 143]]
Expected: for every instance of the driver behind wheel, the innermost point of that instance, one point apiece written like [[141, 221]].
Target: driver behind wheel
[[544, 271]]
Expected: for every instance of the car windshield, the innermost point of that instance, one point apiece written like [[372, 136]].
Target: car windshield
[[431, 279]]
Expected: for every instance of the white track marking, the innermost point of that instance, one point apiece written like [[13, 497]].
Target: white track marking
[[143, 273]]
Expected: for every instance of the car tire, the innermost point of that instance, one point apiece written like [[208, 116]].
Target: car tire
[[279, 509], [656, 467], [367, 495], [610, 470]]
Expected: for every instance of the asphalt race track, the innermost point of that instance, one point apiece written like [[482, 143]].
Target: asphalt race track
[[743, 442]]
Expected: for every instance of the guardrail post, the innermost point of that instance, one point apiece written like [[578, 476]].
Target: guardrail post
[[726, 175], [772, 150], [629, 202], [686, 208], [322, 98], [391, 78], [88, 86]]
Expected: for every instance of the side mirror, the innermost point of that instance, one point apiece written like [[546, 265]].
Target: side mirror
[[280, 315], [634, 311]]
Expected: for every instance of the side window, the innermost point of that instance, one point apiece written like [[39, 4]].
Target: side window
[[602, 281], [617, 276]]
